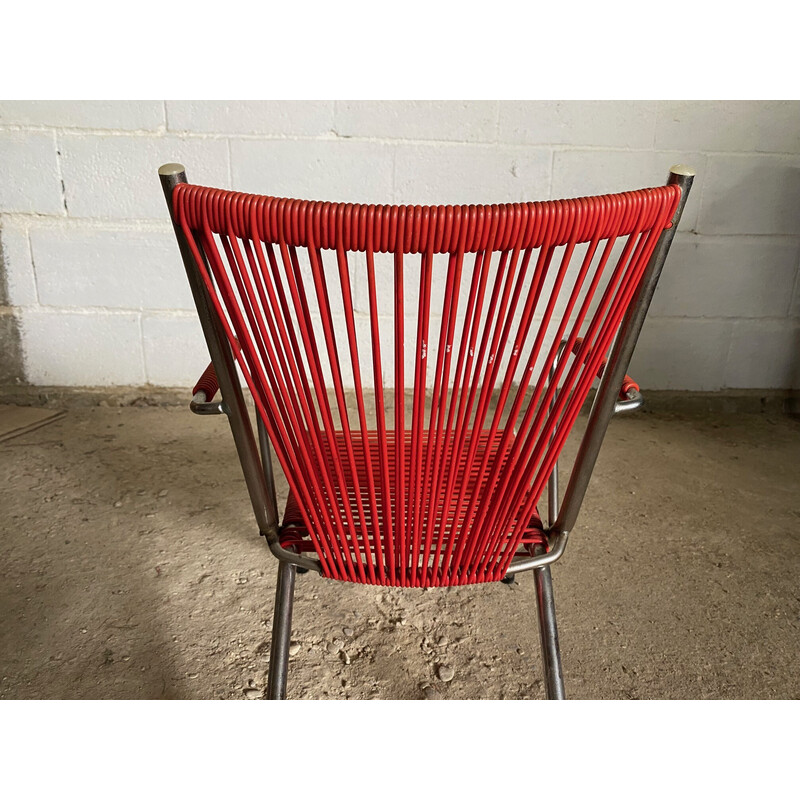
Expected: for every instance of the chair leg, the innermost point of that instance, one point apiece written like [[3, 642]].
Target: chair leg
[[281, 632], [548, 632]]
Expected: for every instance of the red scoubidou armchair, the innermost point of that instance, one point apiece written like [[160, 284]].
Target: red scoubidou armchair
[[417, 370]]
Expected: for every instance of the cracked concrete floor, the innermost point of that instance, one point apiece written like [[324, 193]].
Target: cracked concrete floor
[[132, 569]]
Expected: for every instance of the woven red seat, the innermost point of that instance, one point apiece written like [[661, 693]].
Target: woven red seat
[[375, 540]]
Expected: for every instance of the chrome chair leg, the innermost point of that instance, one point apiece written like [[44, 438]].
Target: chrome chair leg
[[548, 633], [281, 632]]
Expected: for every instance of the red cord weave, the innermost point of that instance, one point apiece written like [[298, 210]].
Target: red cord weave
[[466, 474], [431, 474], [208, 383]]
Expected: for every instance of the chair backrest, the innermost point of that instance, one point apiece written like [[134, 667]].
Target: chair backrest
[[405, 359]]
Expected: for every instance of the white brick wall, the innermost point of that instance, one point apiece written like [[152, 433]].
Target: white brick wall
[[65, 348], [123, 269], [175, 352], [91, 270], [20, 285], [29, 179], [112, 176], [594, 123], [414, 119], [261, 118], [132, 115], [450, 173], [323, 169]]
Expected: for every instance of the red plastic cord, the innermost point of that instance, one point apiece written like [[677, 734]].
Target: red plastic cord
[[430, 472], [208, 383]]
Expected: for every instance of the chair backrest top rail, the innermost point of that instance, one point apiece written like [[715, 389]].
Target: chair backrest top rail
[[417, 229]]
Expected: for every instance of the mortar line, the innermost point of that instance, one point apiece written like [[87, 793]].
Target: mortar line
[[60, 172], [33, 266], [107, 311], [325, 136]]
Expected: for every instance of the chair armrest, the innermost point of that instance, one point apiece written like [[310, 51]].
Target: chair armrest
[[633, 400], [203, 394], [630, 397]]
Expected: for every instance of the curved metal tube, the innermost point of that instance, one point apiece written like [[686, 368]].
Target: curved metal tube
[[288, 556], [634, 400], [558, 543], [203, 408]]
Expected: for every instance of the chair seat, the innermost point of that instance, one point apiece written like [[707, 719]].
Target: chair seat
[[437, 495]]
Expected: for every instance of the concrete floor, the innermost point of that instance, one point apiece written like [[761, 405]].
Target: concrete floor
[[132, 569]]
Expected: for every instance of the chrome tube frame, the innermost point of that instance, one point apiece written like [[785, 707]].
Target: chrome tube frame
[[606, 400], [543, 580], [552, 481], [548, 634], [262, 496], [281, 632], [266, 460]]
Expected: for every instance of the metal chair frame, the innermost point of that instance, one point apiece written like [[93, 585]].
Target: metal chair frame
[[255, 454]]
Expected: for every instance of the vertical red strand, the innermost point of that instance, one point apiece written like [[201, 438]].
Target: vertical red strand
[[417, 491], [387, 516], [399, 505], [370, 526]]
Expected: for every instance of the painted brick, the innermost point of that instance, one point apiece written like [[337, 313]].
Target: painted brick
[[727, 277], [337, 170], [448, 120], [125, 115], [113, 269], [598, 123], [442, 174], [29, 179], [117, 176], [687, 354], [579, 173], [175, 351], [82, 349], [794, 308], [764, 354], [733, 125], [719, 293], [751, 194], [17, 280], [265, 117]]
